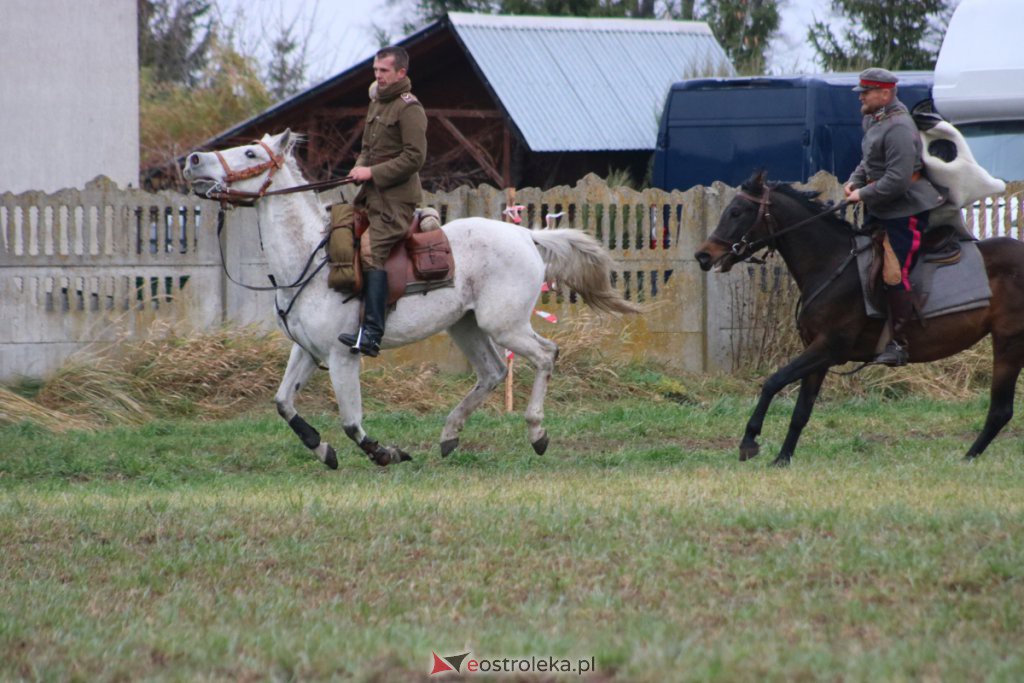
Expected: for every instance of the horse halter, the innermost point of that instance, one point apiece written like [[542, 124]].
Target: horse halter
[[273, 163]]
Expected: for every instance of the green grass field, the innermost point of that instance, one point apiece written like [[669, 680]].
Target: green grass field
[[219, 550]]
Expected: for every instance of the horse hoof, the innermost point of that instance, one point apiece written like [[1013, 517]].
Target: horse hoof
[[447, 446], [748, 451], [331, 458], [391, 455], [779, 462], [541, 444], [970, 457]]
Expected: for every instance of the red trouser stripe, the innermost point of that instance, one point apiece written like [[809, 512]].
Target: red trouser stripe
[[915, 246]]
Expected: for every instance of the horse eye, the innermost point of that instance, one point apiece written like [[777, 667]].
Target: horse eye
[[736, 213], [251, 154]]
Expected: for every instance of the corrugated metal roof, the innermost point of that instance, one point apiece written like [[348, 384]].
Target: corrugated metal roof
[[576, 84]]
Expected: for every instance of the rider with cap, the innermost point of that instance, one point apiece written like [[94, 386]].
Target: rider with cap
[[394, 149], [895, 193]]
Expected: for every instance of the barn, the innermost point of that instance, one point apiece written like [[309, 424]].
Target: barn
[[512, 101]]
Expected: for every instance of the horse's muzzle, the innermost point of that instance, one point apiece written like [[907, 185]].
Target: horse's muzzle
[[712, 255], [704, 259]]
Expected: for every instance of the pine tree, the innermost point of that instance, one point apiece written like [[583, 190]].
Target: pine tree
[[174, 39], [898, 34], [744, 28], [286, 73]]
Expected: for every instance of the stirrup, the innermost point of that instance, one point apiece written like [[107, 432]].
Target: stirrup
[[893, 355], [360, 343]]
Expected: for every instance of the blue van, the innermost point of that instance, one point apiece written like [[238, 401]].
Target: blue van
[[791, 126]]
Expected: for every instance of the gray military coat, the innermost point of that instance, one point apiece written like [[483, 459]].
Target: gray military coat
[[891, 156]]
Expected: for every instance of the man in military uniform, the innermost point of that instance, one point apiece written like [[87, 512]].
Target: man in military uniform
[[394, 148], [895, 193]]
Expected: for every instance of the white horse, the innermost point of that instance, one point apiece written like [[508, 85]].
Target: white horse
[[499, 270]]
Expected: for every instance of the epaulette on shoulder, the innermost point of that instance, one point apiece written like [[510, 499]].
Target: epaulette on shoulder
[[409, 98]]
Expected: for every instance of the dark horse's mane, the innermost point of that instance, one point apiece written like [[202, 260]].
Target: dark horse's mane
[[806, 198]]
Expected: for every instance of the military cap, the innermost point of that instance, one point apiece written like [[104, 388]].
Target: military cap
[[875, 78]]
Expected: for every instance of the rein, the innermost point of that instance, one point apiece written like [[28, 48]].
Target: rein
[[228, 195], [301, 281], [239, 198], [744, 250]]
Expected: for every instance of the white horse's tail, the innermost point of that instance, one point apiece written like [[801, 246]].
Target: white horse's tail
[[579, 261]]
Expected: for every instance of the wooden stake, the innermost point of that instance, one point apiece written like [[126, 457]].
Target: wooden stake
[[510, 200]]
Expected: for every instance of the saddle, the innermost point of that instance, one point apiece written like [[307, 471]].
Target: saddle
[[949, 275], [420, 263], [939, 247]]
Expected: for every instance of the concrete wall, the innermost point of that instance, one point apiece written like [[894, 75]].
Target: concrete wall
[[83, 269], [69, 93]]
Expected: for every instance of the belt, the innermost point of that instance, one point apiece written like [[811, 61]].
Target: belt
[[914, 177]]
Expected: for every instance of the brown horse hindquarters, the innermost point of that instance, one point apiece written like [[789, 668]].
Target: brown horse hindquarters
[[1004, 261], [947, 335]]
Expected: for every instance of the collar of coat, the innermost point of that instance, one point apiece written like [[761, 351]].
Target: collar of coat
[[390, 92], [892, 109]]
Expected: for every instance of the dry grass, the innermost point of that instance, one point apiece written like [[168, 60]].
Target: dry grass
[[234, 370], [210, 375], [15, 409]]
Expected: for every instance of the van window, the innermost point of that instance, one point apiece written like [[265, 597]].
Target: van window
[[998, 146]]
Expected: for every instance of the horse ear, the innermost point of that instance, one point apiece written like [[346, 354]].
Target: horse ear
[[755, 183], [287, 140]]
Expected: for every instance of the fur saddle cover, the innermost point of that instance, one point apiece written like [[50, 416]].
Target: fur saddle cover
[[948, 160], [948, 277], [421, 262]]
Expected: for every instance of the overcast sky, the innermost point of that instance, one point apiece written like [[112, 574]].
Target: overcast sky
[[341, 31]]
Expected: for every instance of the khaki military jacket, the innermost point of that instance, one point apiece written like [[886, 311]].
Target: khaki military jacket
[[394, 144], [890, 175]]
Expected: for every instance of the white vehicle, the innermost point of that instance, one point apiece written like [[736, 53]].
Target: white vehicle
[[979, 82]]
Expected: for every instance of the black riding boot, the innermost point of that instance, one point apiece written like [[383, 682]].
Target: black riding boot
[[901, 307], [375, 301]]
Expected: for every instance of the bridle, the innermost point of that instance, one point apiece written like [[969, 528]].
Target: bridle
[[273, 163], [225, 194], [230, 196], [744, 249]]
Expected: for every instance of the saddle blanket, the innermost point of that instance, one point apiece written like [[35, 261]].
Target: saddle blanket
[[955, 287]]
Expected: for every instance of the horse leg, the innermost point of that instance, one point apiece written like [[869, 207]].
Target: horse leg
[[809, 388], [814, 359], [345, 381], [300, 366], [541, 353], [1006, 368], [490, 371]]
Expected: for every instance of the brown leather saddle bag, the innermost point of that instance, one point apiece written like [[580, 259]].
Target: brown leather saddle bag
[[421, 262], [431, 254]]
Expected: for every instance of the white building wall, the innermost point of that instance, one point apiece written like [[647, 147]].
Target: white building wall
[[69, 93]]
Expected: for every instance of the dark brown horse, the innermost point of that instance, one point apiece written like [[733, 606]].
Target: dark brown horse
[[833, 323]]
